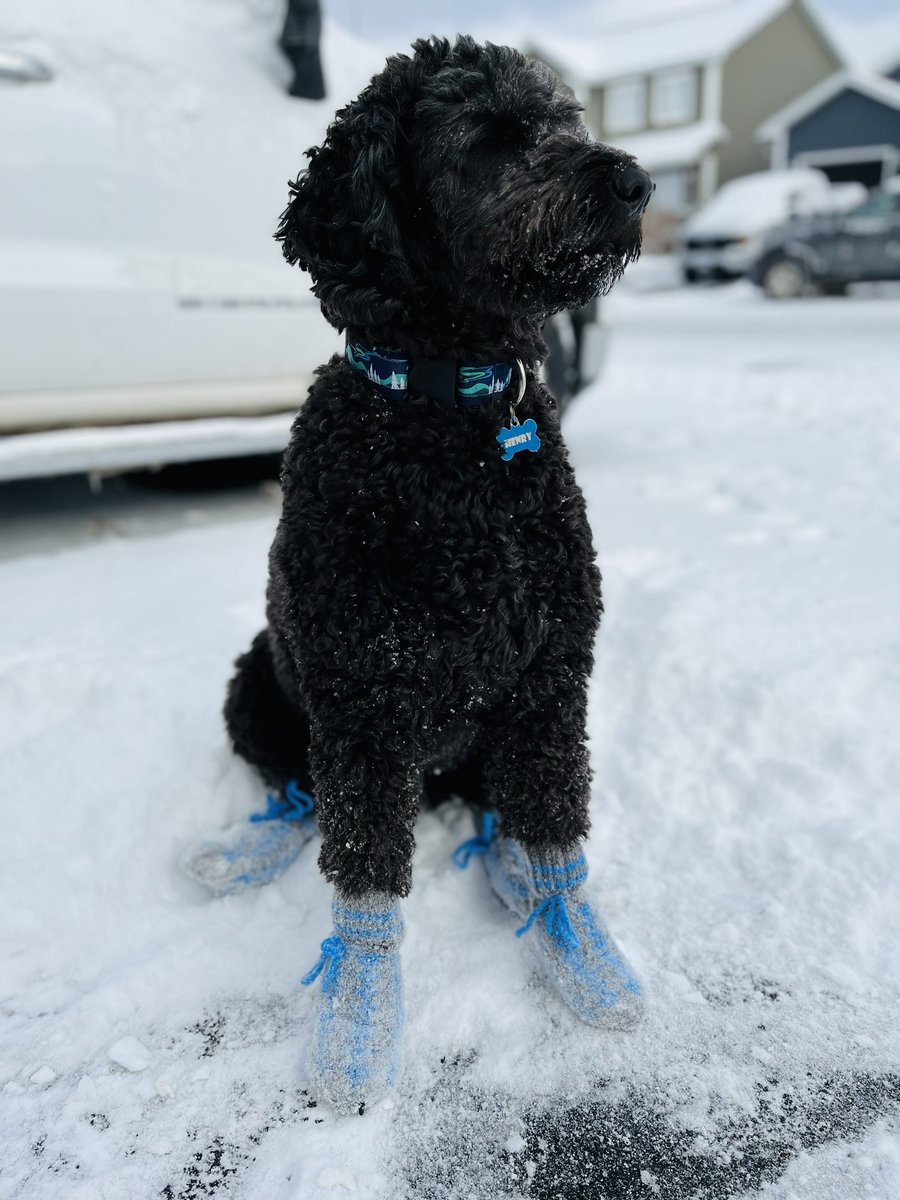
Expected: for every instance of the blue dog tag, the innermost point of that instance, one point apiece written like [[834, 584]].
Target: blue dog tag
[[519, 437]]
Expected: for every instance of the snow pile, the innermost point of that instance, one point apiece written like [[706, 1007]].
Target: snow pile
[[740, 461]]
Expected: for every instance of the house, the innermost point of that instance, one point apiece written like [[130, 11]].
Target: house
[[848, 126], [686, 92]]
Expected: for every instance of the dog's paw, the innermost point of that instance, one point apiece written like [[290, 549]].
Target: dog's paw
[[579, 958], [355, 1053], [247, 855]]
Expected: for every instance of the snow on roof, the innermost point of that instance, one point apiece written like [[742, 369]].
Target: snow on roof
[[869, 45], [660, 149], [688, 36], [875, 86]]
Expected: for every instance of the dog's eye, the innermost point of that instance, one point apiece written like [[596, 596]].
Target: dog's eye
[[510, 131], [498, 142]]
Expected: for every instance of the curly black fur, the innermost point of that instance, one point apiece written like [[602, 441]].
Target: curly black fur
[[430, 607]]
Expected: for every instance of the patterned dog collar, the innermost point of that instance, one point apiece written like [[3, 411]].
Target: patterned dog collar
[[474, 385]]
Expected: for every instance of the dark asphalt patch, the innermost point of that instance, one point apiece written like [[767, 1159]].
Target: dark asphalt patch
[[629, 1148]]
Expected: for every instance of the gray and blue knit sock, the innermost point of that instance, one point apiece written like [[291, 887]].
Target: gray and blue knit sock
[[572, 947], [506, 862], [251, 853], [355, 1053]]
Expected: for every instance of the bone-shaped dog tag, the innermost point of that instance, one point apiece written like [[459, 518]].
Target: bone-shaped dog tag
[[519, 437]]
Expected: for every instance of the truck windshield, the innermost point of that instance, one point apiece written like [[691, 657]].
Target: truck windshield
[[881, 204]]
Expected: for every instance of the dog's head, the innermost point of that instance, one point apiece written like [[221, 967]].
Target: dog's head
[[461, 186]]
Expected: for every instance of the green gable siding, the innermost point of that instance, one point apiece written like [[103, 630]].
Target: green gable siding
[[768, 71]]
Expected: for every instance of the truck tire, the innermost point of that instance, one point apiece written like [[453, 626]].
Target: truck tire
[[785, 278]]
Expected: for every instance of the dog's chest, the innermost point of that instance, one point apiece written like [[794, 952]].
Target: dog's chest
[[485, 556], [446, 563]]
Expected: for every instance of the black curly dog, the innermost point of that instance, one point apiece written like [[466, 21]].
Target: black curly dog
[[432, 607]]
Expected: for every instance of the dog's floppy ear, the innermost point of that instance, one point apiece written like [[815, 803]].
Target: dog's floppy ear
[[343, 221]]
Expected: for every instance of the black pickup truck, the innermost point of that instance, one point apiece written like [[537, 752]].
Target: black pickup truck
[[825, 254]]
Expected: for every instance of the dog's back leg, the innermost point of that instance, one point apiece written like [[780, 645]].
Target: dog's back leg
[[271, 732], [266, 726]]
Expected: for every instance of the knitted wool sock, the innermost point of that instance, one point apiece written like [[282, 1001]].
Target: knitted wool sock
[[251, 853], [355, 1052], [572, 947]]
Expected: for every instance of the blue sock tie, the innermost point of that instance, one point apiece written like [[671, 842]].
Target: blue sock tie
[[466, 851], [333, 950], [295, 806], [559, 923]]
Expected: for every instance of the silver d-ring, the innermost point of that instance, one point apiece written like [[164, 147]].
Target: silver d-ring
[[522, 384]]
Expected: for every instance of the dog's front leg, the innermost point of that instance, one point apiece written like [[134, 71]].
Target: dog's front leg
[[537, 770], [537, 779], [367, 786]]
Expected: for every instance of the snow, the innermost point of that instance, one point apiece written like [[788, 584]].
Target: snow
[[43, 1075], [119, 447], [131, 1054], [740, 461], [661, 149], [692, 34], [872, 44], [754, 203], [178, 57], [171, 117]]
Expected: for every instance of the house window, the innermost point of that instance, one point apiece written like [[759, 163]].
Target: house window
[[673, 97], [676, 190], [625, 108]]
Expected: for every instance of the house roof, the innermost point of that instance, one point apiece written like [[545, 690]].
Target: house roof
[[875, 86], [659, 149], [687, 37]]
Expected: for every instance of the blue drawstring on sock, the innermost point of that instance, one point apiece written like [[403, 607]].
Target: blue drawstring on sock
[[333, 950], [559, 923], [470, 849], [295, 806]]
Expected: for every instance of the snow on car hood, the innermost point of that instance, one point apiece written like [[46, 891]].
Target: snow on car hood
[[755, 203], [184, 53], [176, 115]]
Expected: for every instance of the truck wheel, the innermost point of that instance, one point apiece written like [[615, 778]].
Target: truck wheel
[[785, 278]]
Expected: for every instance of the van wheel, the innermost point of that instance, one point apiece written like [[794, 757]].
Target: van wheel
[[785, 278]]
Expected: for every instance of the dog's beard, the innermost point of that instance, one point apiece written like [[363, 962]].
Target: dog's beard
[[564, 247], [592, 271], [563, 262]]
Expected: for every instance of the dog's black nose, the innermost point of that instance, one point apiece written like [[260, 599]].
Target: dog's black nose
[[633, 187]]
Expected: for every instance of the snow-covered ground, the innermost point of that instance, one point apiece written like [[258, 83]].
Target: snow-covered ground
[[741, 461]]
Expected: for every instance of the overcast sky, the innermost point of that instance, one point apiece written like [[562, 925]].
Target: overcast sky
[[867, 25]]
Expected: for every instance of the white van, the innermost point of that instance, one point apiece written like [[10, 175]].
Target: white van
[[146, 313]]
